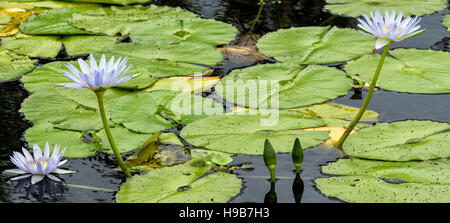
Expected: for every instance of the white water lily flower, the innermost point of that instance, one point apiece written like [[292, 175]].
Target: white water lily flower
[[389, 28], [98, 76], [39, 165]]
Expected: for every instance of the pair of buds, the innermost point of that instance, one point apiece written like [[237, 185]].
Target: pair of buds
[[270, 157]]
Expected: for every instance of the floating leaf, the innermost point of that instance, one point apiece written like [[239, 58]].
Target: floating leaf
[[13, 65], [354, 8], [400, 141], [149, 112], [256, 86], [116, 2], [49, 46], [368, 189], [245, 134], [125, 139], [446, 22], [40, 5], [120, 20], [77, 146], [53, 22], [412, 70], [315, 45], [4, 18], [429, 172], [179, 184]]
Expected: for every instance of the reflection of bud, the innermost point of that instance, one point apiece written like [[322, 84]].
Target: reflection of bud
[[270, 159], [297, 155], [271, 196], [297, 188]]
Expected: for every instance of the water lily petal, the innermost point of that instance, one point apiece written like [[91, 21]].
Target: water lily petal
[[62, 171], [36, 178], [53, 178], [380, 43], [14, 171], [20, 177]]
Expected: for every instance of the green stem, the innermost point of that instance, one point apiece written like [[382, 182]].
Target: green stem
[[109, 135], [363, 108], [257, 16]]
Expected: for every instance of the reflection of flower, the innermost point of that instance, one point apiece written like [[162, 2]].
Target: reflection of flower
[[390, 28], [98, 77], [39, 165]]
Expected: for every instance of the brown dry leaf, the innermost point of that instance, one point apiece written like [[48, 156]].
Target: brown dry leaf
[[17, 17], [242, 54]]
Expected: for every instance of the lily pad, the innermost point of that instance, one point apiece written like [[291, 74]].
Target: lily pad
[[154, 63], [401, 141], [446, 22], [412, 70], [75, 142], [298, 85], [49, 106], [149, 112], [49, 46], [369, 189], [13, 65], [354, 8], [17, 16], [116, 2], [120, 20], [4, 18], [180, 184], [53, 22], [40, 5], [125, 139], [244, 134], [185, 84], [315, 45], [427, 172]]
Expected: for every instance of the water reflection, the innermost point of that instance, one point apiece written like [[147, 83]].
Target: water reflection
[[45, 186], [297, 188], [271, 196]]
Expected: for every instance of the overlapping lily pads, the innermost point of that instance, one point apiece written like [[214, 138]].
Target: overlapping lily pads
[[380, 181], [13, 65], [412, 70], [49, 46], [125, 139], [148, 112], [315, 45], [354, 8], [182, 183], [77, 144], [298, 85], [401, 141], [245, 134], [53, 22], [120, 20]]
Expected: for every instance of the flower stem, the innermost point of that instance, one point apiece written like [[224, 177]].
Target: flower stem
[[363, 108], [109, 135]]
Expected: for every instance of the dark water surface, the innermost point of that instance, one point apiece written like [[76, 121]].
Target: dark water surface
[[98, 171]]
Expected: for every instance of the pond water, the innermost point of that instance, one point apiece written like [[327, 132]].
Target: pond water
[[97, 172]]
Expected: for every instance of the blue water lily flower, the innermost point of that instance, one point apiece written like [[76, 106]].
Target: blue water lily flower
[[98, 76], [38, 165], [389, 28]]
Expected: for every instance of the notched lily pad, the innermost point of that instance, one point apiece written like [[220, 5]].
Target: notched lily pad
[[13, 65], [401, 141], [180, 184]]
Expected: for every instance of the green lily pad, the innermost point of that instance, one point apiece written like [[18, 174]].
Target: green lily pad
[[149, 112], [354, 8], [428, 172], [412, 70], [298, 85], [48, 105], [153, 63], [125, 139], [115, 2], [400, 141], [49, 46], [13, 65], [368, 189], [179, 184], [53, 22], [39, 5], [244, 134], [446, 22], [4, 18], [74, 141], [315, 45], [120, 20], [205, 33]]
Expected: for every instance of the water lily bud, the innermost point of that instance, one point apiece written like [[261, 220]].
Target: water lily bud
[[270, 158], [297, 155]]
